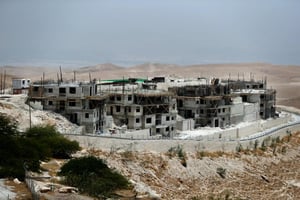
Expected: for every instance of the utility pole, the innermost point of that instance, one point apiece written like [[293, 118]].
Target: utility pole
[[4, 81], [74, 76], [43, 77], [61, 78], [29, 109], [1, 83], [58, 82]]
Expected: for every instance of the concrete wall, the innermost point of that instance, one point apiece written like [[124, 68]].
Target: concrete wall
[[251, 112], [89, 115], [254, 127], [48, 105], [70, 104], [20, 83], [50, 90], [53, 90], [186, 124], [276, 122], [237, 109], [136, 110], [254, 98], [213, 143], [237, 113], [88, 90], [166, 119], [194, 103], [146, 124], [133, 124]]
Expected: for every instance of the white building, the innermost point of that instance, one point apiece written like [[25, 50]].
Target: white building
[[20, 86]]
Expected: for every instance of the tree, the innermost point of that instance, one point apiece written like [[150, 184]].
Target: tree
[[7, 126], [52, 141], [37, 144]]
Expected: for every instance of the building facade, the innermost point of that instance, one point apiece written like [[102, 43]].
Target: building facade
[[20, 86], [78, 102], [138, 104], [142, 107], [224, 103]]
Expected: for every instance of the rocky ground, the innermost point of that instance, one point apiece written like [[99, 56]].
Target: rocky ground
[[264, 173], [271, 173], [14, 106]]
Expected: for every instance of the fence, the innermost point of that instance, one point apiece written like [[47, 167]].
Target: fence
[[227, 142], [32, 186]]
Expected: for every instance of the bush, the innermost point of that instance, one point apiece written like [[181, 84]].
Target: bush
[[263, 146], [53, 143], [256, 144], [39, 132], [178, 151], [221, 171], [91, 175], [7, 126], [18, 151]]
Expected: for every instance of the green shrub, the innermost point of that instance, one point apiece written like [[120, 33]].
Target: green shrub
[[54, 144], [263, 146], [39, 143], [91, 175], [178, 151], [7, 126], [40, 131]]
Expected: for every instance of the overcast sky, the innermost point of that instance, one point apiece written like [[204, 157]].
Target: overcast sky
[[126, 32]]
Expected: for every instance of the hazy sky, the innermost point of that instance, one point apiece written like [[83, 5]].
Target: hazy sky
[[81, 32]]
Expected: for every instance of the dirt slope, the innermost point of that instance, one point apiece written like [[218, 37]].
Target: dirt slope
[[270, 174]]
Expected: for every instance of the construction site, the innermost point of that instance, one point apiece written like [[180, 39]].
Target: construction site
[[160, 105], [113, 114]]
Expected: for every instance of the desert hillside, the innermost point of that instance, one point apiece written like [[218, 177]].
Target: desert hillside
[[267, 172]]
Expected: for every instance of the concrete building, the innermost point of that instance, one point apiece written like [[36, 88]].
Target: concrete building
[[20, 85], [79, 102], [222, 103], [141, 104], [142, 107]]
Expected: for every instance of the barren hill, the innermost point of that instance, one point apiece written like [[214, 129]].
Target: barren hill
[[99, 68]]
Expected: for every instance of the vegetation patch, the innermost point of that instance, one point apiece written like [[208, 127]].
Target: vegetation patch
[[92, 176], [20, 151], [178, 151]]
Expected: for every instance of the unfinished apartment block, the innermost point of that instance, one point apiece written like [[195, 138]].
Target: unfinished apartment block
[[256, 92], [20, 85], [223, 103], [142, 107], [78, 102]]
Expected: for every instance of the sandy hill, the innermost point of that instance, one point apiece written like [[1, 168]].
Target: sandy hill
[[99, 67]]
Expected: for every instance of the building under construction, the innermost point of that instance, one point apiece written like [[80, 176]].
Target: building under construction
[[78, 102], [219, 103], [139, 105], [131, 103]]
